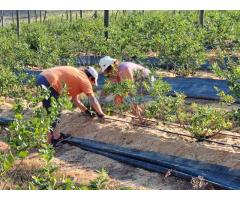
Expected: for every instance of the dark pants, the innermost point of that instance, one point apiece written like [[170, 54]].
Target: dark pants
[[42, 81]]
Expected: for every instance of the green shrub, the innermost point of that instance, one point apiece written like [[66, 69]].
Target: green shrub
[[206, 121]]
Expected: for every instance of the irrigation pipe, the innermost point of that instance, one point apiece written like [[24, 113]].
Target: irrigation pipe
[[150, 120], [175, 133]]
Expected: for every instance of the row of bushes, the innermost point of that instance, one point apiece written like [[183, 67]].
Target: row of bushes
[[176, 37]]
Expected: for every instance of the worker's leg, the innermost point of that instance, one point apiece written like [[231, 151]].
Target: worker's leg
[[42, 82]]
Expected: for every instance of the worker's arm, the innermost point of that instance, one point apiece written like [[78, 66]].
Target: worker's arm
[[95, 104], [125, 75], [93, 101], [78, 103]]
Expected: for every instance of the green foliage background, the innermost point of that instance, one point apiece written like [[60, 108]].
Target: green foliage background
[[176, 37]]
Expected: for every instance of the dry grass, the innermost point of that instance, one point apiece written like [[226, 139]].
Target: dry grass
[[21, 174]]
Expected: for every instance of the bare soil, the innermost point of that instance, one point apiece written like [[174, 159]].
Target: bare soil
[[148, 139], [82, 165], [126, 135]]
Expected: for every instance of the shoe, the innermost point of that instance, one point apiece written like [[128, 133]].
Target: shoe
[[61, 139]]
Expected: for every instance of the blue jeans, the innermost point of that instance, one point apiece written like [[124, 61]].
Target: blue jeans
[[42, 81]]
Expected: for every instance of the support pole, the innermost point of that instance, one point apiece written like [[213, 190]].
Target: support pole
[[29, 17], [67, 14], [45, 16], [81, 14], [18, 24], [13, 17], [201, 18], [95, 14], [70, 13], [2, 17], [35, 16], [40, 15], [106, 22]]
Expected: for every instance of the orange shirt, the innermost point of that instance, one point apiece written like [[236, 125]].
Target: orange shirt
[[76, 80]]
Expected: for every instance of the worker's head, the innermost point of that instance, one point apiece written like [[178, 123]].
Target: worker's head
[[92, 75], [107, 64]]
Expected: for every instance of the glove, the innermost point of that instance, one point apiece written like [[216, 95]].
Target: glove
[[92, 114]]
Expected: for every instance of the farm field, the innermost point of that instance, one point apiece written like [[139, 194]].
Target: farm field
[[170, 44]]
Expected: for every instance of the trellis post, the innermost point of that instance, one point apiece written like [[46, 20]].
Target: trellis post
[[106, 23], [18, 23], [201, 18]]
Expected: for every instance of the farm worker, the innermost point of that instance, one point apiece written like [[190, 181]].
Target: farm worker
[[77, 81], [119, 71]]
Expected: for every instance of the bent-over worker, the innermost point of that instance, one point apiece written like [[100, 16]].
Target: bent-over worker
[[119, 71], [77, 81]]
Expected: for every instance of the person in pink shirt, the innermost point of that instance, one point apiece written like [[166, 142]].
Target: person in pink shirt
[[119, 71]]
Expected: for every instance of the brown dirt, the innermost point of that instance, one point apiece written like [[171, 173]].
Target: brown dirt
[[6, 105], [123, 134], [82, 165], [4, 147], [80, 161]]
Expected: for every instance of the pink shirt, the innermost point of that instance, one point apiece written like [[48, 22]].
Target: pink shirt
[[126, 70]]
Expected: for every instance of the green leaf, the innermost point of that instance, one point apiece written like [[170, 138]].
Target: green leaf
[[8, 162], [23, 154]]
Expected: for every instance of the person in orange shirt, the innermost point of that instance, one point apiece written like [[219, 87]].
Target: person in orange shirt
[[77, 81], [119, 71]]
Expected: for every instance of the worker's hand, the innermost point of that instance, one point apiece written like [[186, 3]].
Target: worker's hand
[[92, 114], [101, 116]]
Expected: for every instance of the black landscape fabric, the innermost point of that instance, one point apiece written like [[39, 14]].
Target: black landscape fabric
[[202, 88], [221, 176]]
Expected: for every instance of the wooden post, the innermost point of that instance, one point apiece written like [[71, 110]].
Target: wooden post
[[76, 16], [2, 17], [45, 16], [13, 17], [29, 17], [106, 22], [40, 15], [18, 23], [201, 18], [35, 16], [70, 15], [95, 14], [81, 14], [67, 14]]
